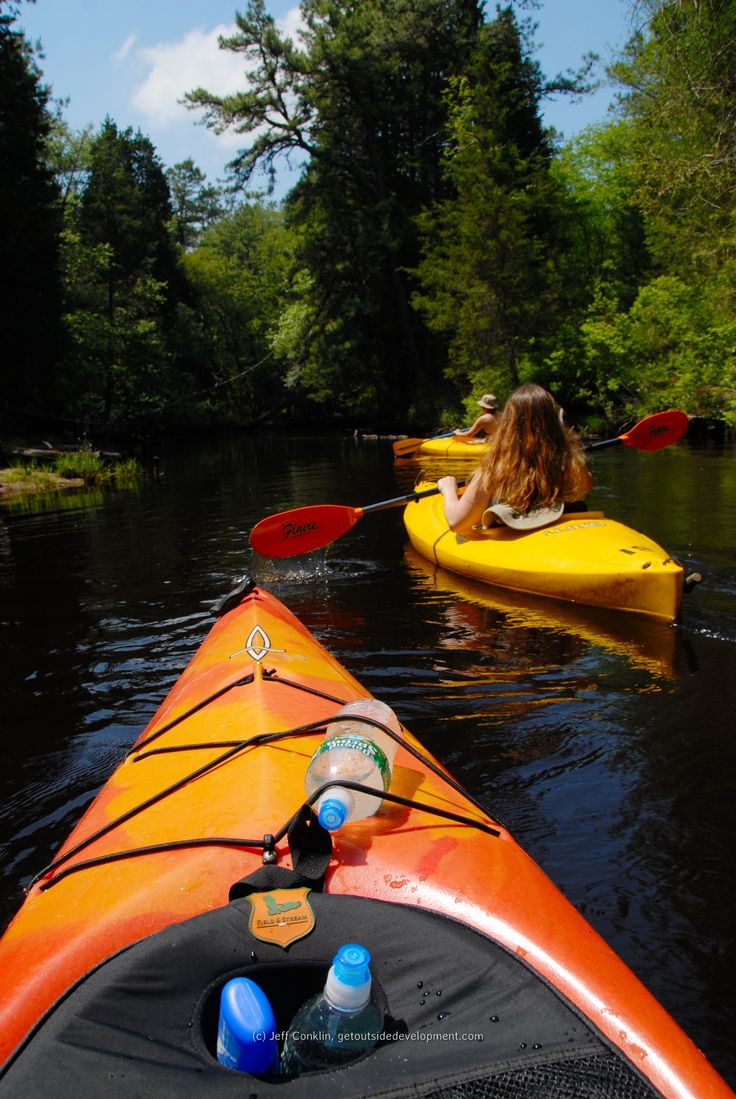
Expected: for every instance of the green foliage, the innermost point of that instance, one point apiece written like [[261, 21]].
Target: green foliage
[[493, 249], [75, 465], [654, 191], [80, 463], [377, 161], [122, 280], [68, 155], [680, 81], [607, 230], [360, 100], [30, 289], [661, 353], [437, 244], [126, 204], [275, 110], [239, 276], [196, 204], [290, 335]]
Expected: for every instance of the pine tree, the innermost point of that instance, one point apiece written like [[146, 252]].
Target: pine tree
[[362, 100], [125, 279], [196, 203], [491, 275]]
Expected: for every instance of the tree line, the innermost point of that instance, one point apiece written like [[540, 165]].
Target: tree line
[[440, 241]]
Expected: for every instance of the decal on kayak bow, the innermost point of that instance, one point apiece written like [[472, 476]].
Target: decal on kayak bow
[[257, 646]]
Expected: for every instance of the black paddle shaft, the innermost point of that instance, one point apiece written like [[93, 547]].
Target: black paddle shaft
[[398, 500]]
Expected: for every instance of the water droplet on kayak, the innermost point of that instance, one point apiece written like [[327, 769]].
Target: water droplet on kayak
[[438, 992], [522, 1045], [494, 1018], [443, 1014], [537, 1045], [420, 984], [422, 1003], [253, 956]]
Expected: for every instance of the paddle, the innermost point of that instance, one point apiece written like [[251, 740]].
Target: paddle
[[301, 530], [406, 446], [654, 432]]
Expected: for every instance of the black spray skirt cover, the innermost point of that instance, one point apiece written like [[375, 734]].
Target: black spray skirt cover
[[464, 1018]]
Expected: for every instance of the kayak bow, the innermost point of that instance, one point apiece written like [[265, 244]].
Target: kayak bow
[[111, 970]]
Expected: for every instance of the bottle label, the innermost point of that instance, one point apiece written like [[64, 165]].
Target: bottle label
[[355, 743]]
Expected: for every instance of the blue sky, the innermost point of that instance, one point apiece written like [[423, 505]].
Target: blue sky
[[133, 59]]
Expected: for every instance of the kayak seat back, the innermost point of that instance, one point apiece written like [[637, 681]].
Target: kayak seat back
[[491, 523], [462, 1016]]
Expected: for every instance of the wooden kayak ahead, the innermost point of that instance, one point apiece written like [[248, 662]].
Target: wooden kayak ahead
[[111, 969], [583, 558]]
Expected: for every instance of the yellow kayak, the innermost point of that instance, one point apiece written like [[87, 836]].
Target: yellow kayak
[[584, 557], [450, 448]]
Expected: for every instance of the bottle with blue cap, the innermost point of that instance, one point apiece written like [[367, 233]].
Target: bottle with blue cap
[[338, 1024], [355, 750], [246, 1033]]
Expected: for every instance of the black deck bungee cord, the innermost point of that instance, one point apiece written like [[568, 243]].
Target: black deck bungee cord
[[274, 838], [241, 682], [233, 748]]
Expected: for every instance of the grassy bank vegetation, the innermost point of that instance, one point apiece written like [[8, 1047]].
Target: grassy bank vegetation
[[73, 468]]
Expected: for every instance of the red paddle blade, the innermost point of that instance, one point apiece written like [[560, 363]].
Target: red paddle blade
[[657, 431], [301, 530]]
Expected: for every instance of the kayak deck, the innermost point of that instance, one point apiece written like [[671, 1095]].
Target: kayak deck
[[207, 793], [450, 448], [583, 558]]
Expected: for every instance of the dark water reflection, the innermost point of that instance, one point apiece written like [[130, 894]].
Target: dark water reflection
[[606, 744]]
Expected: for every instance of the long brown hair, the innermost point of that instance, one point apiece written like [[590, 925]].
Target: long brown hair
[[533, 458]]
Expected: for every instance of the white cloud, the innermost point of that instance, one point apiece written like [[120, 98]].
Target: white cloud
[[125, 49], [194, 61], [290, 24], [178, 67]]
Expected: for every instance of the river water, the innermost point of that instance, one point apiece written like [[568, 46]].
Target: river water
[[606, 744]]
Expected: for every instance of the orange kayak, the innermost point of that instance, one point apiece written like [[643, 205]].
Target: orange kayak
[[110, 969]]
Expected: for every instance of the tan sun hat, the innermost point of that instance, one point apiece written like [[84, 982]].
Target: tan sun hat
[[489, 402], [522, 520]]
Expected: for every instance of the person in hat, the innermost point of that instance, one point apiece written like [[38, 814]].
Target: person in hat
[[485, 425], [534, 464]]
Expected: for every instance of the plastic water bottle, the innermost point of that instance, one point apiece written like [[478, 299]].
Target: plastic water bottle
[[246, 1033], [338, 1024], [356, 751]]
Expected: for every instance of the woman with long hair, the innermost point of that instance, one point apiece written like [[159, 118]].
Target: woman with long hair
[[533, 461]]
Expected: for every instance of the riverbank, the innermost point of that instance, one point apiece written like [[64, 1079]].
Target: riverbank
[[15, 480], [63, 470]]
